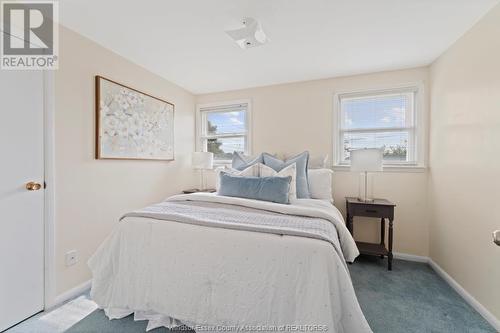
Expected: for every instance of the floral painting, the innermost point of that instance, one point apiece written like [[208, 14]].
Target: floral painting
[[132, 124]]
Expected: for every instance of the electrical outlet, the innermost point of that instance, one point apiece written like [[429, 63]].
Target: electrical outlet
[[71, 257]]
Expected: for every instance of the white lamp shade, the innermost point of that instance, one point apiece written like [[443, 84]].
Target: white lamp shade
[[202, 160], [368, 159]]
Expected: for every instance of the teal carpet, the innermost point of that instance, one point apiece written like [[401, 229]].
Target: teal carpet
[[411, 298]]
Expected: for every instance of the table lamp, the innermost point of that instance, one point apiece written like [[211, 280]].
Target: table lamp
[[202, 161], [366, 160]]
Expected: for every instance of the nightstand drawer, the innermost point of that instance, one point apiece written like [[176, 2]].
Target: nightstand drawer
[[372, 210]]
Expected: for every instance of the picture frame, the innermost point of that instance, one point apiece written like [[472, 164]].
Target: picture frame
[[131, 124]]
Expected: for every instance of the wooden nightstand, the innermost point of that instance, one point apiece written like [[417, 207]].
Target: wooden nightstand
[[380, 208], [195, 190]]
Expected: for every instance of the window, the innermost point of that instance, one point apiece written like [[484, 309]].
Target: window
[[224, 129], [382, 119]]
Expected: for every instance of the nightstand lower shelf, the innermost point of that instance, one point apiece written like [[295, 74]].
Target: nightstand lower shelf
[[372, 249]]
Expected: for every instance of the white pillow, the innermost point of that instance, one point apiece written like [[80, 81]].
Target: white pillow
[[320, 184], [252, 170], [291, 170], [317, 162]]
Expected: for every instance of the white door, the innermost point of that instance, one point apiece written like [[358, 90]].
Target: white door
[[21, 210]]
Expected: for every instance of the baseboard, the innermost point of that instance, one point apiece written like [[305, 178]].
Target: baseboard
[[70, 294], [494, 321], [490, 318], [410, 257]]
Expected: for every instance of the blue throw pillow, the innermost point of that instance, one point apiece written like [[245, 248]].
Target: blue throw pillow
[[274, 189], [301, 161], [240, 162]]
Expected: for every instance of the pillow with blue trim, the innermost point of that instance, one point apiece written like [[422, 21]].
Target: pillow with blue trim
[[301, 161]]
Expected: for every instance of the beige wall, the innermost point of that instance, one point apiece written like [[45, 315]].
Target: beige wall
[[290, 118], [92, 194], [464, 179]]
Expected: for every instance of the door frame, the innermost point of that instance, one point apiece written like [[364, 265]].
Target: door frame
[[49, 191]]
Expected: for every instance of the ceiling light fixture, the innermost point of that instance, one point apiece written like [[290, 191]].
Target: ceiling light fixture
[[250, 35]]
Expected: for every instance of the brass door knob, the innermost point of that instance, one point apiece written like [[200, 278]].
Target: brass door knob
[[32, 186], [496, 237]]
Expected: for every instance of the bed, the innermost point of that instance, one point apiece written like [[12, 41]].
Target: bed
[[226, 264]]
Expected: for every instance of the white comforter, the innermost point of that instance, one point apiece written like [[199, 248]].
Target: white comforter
[[216, 278]]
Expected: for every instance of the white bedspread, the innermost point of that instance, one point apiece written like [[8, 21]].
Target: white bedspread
[[168, 272]]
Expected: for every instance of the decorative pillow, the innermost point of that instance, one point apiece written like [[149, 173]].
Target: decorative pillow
[[273, 189], [320, 184], [315, 161], [318, 162], [291, 170], [241, 161], [252, 170], [301, 161]]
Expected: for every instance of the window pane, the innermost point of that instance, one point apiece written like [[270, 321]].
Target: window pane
[[225, 122], [384, 111], [223, 148], [395, 144]]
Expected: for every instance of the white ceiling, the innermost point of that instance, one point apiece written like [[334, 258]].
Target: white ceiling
[[184, 40]]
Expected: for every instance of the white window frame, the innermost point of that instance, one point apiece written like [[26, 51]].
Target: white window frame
[[201, 134], [419, 129]]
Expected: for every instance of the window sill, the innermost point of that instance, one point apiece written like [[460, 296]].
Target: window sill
[[222, 164], [387, 168]]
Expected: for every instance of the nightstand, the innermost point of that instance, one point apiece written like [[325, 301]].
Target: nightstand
[[196, 190], [379, 208]]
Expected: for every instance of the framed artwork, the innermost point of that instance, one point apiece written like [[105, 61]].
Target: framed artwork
[[131, 124]]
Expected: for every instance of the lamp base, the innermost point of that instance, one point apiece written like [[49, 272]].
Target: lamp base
[[366, 200], [196, 190]]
